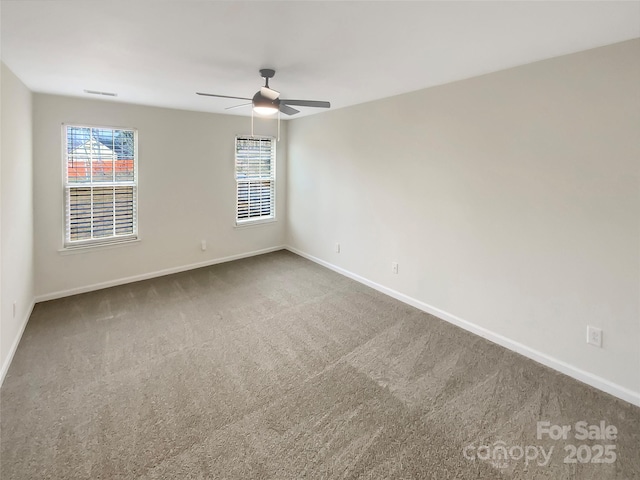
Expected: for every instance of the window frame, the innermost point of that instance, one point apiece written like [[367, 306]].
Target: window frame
[[262, 219], [114, 240]]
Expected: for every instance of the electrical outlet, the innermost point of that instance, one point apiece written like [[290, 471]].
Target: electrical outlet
[[337, 248], [594, 336], [394, 267], [203, 245]]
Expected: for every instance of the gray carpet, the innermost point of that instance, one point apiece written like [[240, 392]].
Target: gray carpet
[[275, 368]]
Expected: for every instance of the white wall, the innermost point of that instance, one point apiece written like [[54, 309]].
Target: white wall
[[186, 193], [16, 214], [511, 201]]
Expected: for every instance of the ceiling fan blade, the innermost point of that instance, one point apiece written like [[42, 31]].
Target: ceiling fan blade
[[238, 106], [288, 110], [269, 93], [307, 103], [221, 96]]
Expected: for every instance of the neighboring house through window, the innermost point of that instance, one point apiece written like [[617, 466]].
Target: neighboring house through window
[[100, 189], [255, 179]]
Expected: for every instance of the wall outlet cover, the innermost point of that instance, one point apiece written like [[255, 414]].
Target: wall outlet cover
[[594, 336]]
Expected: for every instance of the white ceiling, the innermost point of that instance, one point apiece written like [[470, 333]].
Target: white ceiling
[[161, 52]]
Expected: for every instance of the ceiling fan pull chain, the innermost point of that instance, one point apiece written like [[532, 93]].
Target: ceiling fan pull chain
[[278, 125], [252, 122]]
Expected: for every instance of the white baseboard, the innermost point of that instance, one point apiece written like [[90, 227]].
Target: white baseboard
[[16, 342], [146, 276], [558, 365]]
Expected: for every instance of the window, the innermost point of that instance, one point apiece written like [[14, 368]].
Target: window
[[255, 179], [100, 187]]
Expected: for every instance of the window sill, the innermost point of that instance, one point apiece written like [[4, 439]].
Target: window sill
[[97, 246], [255, 223]]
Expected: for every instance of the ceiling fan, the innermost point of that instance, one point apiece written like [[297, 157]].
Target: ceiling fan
[[267, 101]]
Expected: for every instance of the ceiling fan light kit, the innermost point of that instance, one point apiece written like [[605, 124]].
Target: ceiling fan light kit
[[265, 110], [265, 106]]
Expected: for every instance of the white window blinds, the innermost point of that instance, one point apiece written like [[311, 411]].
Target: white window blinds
[[255, 178], [100, 185]]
